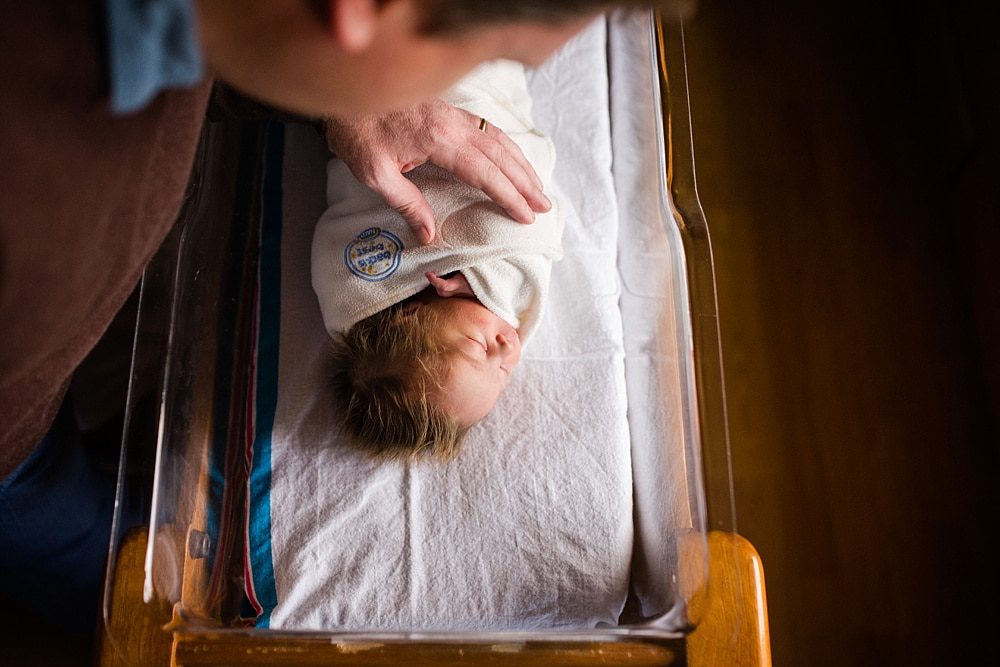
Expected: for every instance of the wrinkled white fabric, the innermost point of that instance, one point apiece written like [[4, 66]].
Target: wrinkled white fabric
[[532, 526], [365, 258]]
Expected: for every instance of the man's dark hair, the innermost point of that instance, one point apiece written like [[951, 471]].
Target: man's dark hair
[[453, 16]]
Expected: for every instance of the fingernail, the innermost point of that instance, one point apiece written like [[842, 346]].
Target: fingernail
[[547, 201], [427, 233]]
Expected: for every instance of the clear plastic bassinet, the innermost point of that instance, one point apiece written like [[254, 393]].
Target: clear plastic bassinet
[[183, 456]]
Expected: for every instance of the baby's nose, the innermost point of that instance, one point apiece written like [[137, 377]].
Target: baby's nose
[[504, 343], [507, 348]]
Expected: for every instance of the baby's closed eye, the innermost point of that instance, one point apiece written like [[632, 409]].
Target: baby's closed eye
[[480, 346]]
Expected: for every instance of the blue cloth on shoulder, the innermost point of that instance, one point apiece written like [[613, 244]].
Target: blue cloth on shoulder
[[152, 46]]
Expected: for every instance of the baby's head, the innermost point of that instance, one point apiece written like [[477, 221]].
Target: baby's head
[[412, 379]]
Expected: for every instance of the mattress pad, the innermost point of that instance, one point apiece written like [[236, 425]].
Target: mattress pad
[[532, 526]]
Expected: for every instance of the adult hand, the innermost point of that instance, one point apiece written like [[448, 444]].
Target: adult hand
[[379, 149]]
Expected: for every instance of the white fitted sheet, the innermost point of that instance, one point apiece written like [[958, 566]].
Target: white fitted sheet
[[532, 526], [569, 497]]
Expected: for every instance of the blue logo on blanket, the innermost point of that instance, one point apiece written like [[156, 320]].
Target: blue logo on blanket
[[373, 254]]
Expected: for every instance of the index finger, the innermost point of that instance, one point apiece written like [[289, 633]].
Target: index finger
[[401, 194]]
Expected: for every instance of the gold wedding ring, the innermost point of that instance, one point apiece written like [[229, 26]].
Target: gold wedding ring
[[482, 124]]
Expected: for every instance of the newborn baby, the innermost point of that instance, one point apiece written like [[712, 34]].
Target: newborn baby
[[427, 336]]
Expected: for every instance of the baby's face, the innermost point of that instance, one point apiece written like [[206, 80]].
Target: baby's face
[[481, 351]]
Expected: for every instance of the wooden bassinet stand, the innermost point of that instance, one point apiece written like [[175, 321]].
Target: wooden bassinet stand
[[733, 631]]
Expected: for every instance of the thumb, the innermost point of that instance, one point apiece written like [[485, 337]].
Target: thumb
[[405, 197]]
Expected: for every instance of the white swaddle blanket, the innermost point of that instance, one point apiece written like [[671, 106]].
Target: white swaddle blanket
[[365, 258], [532, 525]]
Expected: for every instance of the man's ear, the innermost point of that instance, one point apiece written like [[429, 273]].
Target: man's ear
[[353, 22]]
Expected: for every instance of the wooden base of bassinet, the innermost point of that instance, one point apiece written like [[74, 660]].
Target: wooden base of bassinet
[[733, 630]]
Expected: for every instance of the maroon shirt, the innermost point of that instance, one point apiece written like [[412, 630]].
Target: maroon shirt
[[85, 199]]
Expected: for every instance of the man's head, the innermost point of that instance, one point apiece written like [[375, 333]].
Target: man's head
[[412, 379], [342, 57]]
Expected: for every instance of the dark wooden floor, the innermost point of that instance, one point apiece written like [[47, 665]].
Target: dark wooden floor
[[847, 164]]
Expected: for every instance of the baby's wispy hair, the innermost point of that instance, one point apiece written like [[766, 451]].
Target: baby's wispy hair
[[386, 372]]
